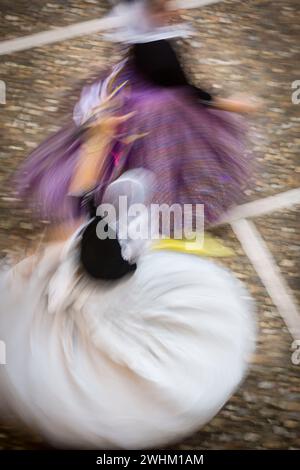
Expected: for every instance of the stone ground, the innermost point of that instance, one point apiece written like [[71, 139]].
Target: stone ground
[[240, 46]]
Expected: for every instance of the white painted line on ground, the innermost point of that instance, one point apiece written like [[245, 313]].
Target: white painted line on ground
[[269, 273], [79, 29], [262, 206], [58, 34]]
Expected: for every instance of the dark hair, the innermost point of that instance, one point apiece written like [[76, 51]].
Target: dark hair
[[102, 259]]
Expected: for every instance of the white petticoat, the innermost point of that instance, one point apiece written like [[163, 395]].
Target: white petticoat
[[129, 364]]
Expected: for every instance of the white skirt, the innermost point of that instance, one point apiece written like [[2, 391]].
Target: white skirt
[[129, 364]]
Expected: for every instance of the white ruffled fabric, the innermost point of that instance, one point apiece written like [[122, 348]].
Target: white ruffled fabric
[[130, 364]]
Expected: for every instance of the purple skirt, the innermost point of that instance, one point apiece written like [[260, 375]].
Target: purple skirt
[[198, 154]]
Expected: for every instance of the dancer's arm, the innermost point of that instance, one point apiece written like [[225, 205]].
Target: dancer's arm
[[90, 162], [236, 105], [94, 151]]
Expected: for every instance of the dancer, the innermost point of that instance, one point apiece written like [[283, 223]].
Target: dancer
[[115, 343], [139, 357], [192, 141]]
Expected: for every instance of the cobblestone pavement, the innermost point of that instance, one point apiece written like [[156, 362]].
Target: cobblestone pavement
[[240, 46]]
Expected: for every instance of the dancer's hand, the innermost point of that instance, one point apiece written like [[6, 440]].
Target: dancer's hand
[[107, 126]]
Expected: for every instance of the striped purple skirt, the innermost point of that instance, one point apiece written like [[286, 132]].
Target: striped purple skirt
[[198, 154]]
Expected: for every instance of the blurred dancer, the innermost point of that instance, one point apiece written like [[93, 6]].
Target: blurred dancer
[[191, 140], [122, 343], [141, 357]]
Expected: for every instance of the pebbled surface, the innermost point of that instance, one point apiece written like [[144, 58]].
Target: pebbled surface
[[250, 47]]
